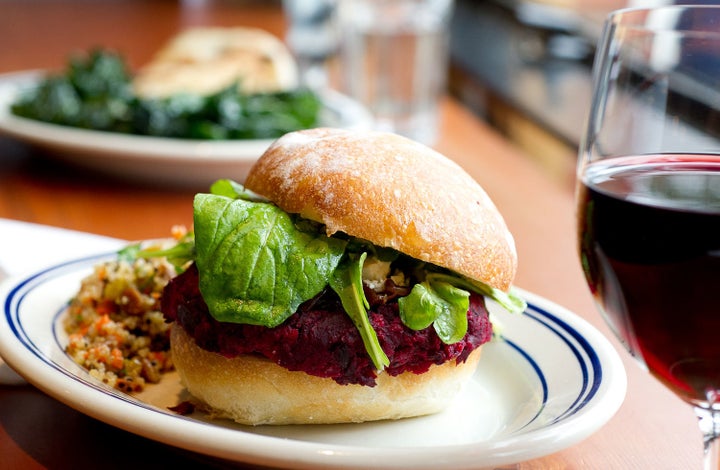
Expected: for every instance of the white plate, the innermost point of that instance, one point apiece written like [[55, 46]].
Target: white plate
[[155, 159], [552, 382]]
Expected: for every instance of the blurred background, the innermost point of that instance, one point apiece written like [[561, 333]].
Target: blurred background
[[523, 66]]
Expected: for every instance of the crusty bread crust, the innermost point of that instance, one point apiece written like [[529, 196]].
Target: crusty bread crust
[[391, 191], [204, 60], [253, 390]]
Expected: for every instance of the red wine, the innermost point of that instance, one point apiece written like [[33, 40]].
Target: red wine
[[649, 231]]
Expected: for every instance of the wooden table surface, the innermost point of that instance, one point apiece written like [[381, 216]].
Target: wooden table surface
[[652, 430]]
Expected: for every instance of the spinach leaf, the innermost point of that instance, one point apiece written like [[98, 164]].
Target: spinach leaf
[[254, 266]]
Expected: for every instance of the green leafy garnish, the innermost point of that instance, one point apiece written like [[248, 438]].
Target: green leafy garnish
[[234, 190], [95, 92], [443, 301], [254, 266], [257, 264], [438, 303], [92, 93], [346, 281], [179, 254], [510, 301]]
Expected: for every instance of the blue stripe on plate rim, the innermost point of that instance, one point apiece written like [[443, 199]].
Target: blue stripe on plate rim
[[586, 356]]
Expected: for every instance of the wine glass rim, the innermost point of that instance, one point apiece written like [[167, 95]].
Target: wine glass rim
[[645, 18], [648, 9]]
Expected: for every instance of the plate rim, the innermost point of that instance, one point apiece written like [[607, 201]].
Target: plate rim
[[84, 146], [262, 449]]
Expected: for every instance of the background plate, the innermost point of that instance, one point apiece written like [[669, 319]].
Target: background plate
[[182, 162], [551, 382]]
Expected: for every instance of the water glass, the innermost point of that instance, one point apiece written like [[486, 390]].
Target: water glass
[[394, 60], [312, 38]]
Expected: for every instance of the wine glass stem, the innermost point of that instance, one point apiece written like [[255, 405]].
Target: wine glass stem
[[709, 422]]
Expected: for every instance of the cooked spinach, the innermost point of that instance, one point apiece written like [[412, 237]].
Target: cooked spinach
[[95, 92]]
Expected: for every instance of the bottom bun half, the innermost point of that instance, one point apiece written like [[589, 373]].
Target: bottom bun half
[[253, 390]]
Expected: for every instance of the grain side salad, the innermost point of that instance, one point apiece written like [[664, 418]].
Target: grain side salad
[[115, 327]]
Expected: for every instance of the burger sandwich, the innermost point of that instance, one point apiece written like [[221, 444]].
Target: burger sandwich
[[345, 281]]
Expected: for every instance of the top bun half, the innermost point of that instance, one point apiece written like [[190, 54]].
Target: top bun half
[[393, 192]]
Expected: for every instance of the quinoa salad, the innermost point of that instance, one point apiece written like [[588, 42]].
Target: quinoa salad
[[114, 324]]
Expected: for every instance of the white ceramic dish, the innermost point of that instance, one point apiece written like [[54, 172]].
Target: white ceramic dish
[[154, 159], [549, 384]]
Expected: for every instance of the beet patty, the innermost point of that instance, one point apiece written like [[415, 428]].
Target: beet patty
[[320, 338]]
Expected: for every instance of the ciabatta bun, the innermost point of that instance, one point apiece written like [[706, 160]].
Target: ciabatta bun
[[391, 191], [253, 390]]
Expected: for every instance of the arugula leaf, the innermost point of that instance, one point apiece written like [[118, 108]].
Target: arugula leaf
[[438, 303], [178, 255], [346, 281], [451, 325], [418, 309], [443, 301], [510, 301], [254, 266]]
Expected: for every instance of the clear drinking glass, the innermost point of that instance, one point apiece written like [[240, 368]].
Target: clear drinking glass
[[394, 60], [648, 198], [312, 37]]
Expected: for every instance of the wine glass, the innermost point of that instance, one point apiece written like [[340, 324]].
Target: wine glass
[[648, 198]]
